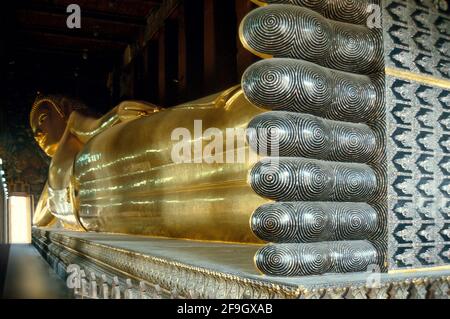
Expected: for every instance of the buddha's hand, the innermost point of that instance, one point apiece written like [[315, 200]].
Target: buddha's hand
[[130, 110], [322, 63]]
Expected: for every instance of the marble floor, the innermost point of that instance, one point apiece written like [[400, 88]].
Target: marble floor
[[26, 275]]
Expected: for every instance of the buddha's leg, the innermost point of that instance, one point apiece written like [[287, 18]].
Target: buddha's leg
[[327, 216]]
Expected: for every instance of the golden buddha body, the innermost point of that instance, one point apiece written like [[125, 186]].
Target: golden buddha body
[[116, 173]]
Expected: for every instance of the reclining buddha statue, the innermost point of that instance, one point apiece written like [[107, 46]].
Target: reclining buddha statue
[[317, 198]]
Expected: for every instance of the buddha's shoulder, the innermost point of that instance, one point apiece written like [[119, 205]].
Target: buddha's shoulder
[[220, 99]]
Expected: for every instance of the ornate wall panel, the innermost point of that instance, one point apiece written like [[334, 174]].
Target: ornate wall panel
[[417, 46], [417, 36]]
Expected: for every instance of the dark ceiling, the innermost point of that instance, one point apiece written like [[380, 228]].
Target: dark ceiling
[[41, 52], [107, 25]]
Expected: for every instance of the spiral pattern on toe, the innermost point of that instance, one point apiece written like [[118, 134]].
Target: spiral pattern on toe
[[302, 135], [353, 181], [315, 258], [290, 222], [275, 179], [351, 256], [288, 85], [293, 260], [295, 32], [298, 135], [298, 179], [352, 221], [352, 142], [300, 86], [301, 222], [357, 46], [351, 11]]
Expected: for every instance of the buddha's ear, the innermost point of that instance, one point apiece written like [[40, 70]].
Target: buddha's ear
[[49, 101], [57, 108]]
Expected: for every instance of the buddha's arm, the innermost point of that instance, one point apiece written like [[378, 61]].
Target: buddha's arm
[[42, 216], [61, 166], [81, 128], [85, 127]]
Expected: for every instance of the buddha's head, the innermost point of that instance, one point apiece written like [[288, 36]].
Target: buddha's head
[[48, 120]]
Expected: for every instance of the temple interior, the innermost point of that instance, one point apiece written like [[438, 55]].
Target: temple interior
[[355, 97], [163, 52]]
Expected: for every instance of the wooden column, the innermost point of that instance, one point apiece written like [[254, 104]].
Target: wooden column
[[209, 53], [162, 67], [152, 76], [182, 54], [171, 60], [220, 45], [139, 76], [244, 57], [192, 46]]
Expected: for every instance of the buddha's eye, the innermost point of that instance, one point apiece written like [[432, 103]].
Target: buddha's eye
[[42, 118]]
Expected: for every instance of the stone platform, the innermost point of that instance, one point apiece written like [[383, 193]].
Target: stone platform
[[145, 267]]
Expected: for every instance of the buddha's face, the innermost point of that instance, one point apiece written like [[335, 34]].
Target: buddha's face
[[48, 127]]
